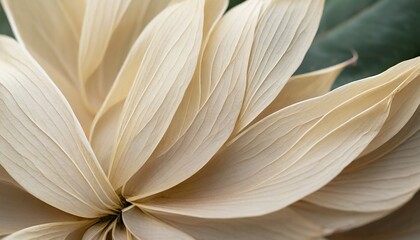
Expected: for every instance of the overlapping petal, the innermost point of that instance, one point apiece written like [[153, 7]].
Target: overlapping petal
[[229, 46], [49, 231], [161, 81], [285, 31], [289, 154], [43, 146]]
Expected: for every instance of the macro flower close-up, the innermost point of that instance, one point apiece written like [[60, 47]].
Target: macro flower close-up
[[183, 119]]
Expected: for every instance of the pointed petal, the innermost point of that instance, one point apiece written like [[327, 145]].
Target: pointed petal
[[191, 103], [105, 121], [146, 227], [402, 224], [113, 53], [162, 79], [229, 46], [289, 154], [305, 86], [382, 185], [284, 34], [49, 231], [54, 42], [20, 210], [43, 146], [101, 18], [282, 225]]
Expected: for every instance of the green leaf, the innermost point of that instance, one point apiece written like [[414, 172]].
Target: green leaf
[[4, 24], [382, 32]]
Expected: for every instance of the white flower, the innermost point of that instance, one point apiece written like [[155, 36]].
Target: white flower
[[141, 119]]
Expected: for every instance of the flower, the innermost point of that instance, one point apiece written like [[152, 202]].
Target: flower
[[172, 120]]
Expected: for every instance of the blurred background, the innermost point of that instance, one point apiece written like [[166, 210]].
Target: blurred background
[[382, 32]]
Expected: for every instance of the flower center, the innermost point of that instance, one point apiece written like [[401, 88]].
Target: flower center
[[117, 215]]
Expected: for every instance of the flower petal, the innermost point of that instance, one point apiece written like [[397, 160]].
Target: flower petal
[[285, 32], [162, 79], [112, 51], [289, 154], [191, 103], [20, 210], [43, 146], [305, 86], [285, 224], [402, 224], [331, 220], [98, 231], [49, 231], [229, 47], [54, 42], [147, 227], [120, 232], [382, 185], [406, 132], [104, 124]]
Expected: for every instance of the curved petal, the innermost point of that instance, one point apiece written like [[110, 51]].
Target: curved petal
[[104, 124], [49, 231], [114, 42], [161, 81], [120, 232], [305, 86], [191, 103], [406, 132], [147, 227], [54, 42], [382, 185], [282, 225], [289, 154], [331, 220], [402, 224], [285, 31], [20, 210], [43, 146], [229, 46], [98, 231]]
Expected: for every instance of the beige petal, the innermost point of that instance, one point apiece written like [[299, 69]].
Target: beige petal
[[54, 42], [20, 210], [49, 231], [285, 32], [382, 185], [215, 121], [114, 52], [331, 220], [305, 86], [162, 79], [406, 132], [146, 227], [191, 103], [282, 225], [289, 154], [101, 18], [119, 232], [43, 146], [98, 231], [403, 224], [104, 124]]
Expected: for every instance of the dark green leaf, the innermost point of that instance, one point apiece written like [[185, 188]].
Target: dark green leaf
[[4, 24], [382, 32]]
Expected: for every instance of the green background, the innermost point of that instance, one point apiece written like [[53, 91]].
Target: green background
[[382, 32]]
